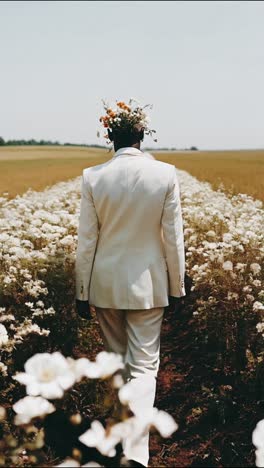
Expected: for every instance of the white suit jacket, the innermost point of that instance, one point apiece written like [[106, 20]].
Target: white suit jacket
[[130, 250]]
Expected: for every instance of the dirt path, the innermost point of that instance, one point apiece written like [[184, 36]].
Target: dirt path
[[216, 413], [216, 410]]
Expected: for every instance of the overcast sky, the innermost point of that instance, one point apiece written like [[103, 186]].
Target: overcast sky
[[201, 65]]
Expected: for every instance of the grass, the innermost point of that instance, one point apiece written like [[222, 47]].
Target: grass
[[38, 167], [23, 167], [239, 171]]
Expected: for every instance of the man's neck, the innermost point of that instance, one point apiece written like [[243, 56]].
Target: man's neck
[[118, 146]]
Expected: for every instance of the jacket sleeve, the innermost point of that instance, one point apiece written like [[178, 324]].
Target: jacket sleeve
[[87, 241], [173, 239]]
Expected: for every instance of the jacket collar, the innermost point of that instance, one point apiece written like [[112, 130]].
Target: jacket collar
[[128, 151]]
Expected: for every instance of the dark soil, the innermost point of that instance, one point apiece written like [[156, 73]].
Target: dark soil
[[216, 409]]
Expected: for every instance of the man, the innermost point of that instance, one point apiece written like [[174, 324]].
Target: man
[[130, 261]]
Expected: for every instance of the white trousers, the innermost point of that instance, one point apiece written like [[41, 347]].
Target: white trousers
[[136, 335]]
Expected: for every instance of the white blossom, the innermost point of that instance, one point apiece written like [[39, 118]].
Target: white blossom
[[117, 381], [131, 430], [2, 413], [256, 283], [256, 268], [163, 422], [92, 464], [98, 437], [232, 295], [7, 318], [228, 266], [47, 375], [227, 237], [211, 233], [260, 327], [30, 407], [258, 441], [3, 369], [68, 463], [135, 390], [3, 335], [258, 306], [105, 365]]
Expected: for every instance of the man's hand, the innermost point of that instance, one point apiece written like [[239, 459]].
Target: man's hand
[[175, 304], [83, 309]]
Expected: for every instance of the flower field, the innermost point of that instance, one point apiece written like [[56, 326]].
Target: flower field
[[223, 314], [36, 167]]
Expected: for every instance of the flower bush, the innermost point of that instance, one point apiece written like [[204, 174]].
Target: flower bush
[[50, 375], [224, 257]]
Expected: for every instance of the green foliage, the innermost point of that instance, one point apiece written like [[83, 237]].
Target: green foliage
[[33, 142]]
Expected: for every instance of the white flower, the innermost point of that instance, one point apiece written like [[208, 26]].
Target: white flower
[[91, 464], [68, 463], [256, 283], [105, 365], [258, 306], [2, 413], [240, 267], [135, 390], [256, 268], [227, 237], [47, 375], [131, 430], [227, 266], [80, 367], [247, 289], [261, 294], [260, 327], [50, 311], [7, 280], [3, 369], [163, 422], [30, 407], [101, 439], [250, 298], [232, 295], [13, 270], [134, 393], [211, 234], [117, 381], [258, 441], [7, 318], [3, 335], [211, 245]]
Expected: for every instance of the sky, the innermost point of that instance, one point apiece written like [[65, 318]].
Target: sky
[[201, 65]]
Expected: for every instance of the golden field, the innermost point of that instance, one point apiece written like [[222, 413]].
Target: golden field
[[36, 167], [240, 171], [23, 167]]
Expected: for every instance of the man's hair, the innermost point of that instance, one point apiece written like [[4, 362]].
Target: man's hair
[[127, 136]]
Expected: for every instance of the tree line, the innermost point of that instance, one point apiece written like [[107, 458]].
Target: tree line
[[34, 142]]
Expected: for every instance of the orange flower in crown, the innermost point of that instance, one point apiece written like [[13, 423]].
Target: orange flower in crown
[[126, 117]]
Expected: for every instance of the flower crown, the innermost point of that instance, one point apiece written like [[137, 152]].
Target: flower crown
[[126, 117]]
